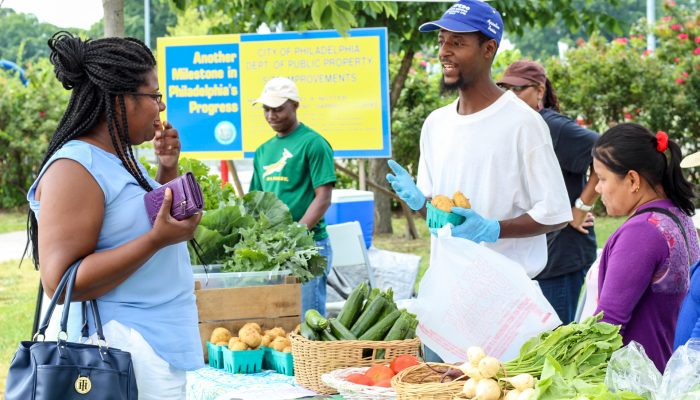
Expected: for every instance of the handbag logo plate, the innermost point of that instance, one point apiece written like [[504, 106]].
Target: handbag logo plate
[[83, 384]]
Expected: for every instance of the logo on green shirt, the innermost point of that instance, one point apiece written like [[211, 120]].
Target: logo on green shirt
[[277, 167]]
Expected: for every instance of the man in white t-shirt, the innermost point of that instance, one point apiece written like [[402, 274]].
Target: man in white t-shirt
[[489, 145]]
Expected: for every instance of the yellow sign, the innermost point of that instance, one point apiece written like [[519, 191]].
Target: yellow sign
[[210, 83]]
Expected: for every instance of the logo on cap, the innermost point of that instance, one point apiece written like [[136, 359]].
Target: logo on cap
[[493, 27], [458, 9]]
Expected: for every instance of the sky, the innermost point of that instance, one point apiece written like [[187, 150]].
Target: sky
[[62, 13]]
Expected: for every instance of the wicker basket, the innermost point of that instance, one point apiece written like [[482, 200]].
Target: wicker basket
[[354, 391], [315, 358], [419, 382]]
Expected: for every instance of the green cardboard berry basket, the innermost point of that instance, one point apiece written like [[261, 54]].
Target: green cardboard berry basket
[[278, 361], [243, 361], [216, 356], [437, 218]]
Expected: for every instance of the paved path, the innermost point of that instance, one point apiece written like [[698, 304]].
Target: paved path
[[12, 245]]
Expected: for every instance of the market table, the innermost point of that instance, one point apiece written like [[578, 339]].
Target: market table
[[215, 384]]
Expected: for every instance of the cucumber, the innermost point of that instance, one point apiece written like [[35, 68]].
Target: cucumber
[[412, 330], [306, 331], [339, 330], [315, 320], [326, 336], [380, 329], [353, 305], [369, 316]]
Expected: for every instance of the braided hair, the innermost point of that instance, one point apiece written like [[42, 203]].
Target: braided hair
[[98, 72]]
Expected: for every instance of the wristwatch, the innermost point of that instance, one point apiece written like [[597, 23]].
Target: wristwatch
[[581, 206]]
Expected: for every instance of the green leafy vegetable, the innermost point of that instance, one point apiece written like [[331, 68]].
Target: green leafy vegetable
[[256, 233], [561, 382], [584, 348]]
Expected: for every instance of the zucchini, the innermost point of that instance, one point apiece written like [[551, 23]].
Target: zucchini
[[380, 329], [306, 331], [390, 308], [412, 330], [339, 330], [353, 305], [369, 316], [315, 320], [326, 336], [400, 328]]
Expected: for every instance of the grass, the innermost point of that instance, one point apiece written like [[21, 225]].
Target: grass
[[13, 220], [17, 298]]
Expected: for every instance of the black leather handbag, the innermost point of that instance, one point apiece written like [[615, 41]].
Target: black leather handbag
[[62, 370]]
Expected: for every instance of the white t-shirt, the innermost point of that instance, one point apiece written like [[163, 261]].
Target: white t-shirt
[[502, 159]]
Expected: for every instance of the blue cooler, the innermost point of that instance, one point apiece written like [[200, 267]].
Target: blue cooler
[[353, 205]]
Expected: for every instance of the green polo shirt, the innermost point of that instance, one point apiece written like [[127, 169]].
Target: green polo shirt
[[292, 167]]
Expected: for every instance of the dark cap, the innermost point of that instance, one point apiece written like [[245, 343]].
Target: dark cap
[[521, 73], [469, 16]]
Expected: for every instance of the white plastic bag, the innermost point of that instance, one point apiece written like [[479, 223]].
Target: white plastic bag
[[631, 369], [681, 380], [472, 295]]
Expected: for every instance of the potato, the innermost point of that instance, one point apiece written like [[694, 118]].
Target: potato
[[461, 200], [220, 335], [237, 346], [287, 349], [280, 343], [254, 326], [221, 343], [277, 331], [267, 340], [250, 337], [443, 203], [232, 341]]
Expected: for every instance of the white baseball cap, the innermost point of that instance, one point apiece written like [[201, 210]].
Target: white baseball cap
[[277, 91], [692, 160]]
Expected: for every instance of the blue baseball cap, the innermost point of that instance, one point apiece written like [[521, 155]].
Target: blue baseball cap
[[469, 16]]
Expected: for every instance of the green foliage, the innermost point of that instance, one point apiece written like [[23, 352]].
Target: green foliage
[[660, 91], [23, 31], [28, 117], [542, 43], [620, 91]]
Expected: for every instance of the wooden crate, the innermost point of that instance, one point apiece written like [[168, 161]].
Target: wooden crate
[[231, 308]]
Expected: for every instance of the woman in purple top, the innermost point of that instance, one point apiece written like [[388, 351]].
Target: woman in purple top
[[643, 274]]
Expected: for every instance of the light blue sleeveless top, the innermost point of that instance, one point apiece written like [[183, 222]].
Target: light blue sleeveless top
[[158, 299]]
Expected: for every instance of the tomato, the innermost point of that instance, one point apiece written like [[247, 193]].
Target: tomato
[[402, 362], [360, 379], [378, 373], [385, 383]]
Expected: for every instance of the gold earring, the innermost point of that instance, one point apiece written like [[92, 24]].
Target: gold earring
[[636, 189]]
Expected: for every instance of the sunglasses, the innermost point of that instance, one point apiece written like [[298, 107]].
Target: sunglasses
[[516, 89]]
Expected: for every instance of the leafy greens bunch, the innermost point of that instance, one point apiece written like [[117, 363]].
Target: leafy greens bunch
[[582, 349], [257, 233]]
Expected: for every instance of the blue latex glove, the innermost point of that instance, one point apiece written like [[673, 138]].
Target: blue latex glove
[[403, 185], [475, 227]]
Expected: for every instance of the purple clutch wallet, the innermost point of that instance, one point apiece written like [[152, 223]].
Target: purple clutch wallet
[[187, 198]]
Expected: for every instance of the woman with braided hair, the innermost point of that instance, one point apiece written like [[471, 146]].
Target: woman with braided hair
[[90, 191], [644, 267]]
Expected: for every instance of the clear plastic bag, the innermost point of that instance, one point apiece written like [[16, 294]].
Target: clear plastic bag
[[631, 369], [681, 380]]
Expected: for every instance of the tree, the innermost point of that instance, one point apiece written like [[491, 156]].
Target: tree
[[114, 17], [402, 20], [161, 14], [26, 32], [542, 43]]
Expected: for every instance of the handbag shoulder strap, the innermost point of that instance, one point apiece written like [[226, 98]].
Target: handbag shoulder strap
[[675, 219]]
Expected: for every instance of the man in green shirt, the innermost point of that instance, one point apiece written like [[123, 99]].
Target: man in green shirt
[[297, 165]]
